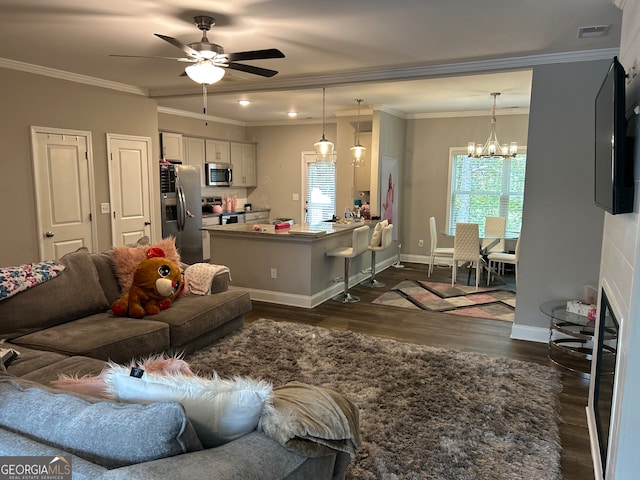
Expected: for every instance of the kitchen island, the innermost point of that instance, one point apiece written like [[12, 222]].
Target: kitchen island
[[290, 266]]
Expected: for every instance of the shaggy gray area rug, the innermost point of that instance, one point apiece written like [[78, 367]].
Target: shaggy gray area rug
[[425, 413]]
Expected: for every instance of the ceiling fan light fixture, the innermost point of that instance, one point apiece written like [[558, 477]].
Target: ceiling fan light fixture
[[205, 72], [492, 147]]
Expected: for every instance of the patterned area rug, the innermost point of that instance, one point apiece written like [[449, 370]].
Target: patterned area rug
[[489, 302]]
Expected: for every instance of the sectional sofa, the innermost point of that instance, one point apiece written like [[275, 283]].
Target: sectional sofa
[[64, 326]]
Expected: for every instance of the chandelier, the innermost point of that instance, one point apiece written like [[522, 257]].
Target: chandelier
[[324, 148], [492, 147], [358, 150]]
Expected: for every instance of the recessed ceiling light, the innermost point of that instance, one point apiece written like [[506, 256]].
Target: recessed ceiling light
[[244, 103], [593, 31], [292, 114]]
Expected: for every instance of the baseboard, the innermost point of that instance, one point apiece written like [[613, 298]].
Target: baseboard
[[529, 333], [308, 301]]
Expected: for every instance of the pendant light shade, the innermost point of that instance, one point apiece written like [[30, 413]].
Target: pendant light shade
[[492, 147], [358, 150], [323, 147]]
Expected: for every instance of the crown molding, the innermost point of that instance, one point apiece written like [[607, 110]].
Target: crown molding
[[390, 74], [71, 77], [200, 116], [469, 113]]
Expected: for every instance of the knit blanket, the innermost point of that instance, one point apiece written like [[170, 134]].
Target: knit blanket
[[198, 277], [14, 280]]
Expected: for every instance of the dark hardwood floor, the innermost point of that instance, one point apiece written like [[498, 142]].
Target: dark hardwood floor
[[489, 337]]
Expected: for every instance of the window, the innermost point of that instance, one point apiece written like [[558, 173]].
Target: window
[[486, 187], [319, 189]]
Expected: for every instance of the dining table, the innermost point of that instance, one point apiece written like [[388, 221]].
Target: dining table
[[485, 248]]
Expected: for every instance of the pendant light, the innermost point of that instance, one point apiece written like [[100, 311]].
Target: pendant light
[[492, 148], [324, 148], [358, 150]]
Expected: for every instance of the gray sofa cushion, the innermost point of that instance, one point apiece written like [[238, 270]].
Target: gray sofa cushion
[[106, 274], [106, 433], [73, 294], [102, 336]]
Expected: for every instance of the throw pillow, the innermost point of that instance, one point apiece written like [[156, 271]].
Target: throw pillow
[[126, 259], [103, 432], [220, 410], [376, 237]]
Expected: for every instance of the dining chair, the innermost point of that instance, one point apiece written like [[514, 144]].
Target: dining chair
[[500, 258], [494, 232], [446, 252], [466, 248]]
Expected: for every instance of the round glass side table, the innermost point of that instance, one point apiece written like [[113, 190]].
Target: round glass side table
[[570, 338]]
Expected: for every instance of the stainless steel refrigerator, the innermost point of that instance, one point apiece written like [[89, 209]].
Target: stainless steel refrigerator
[[181, 207]]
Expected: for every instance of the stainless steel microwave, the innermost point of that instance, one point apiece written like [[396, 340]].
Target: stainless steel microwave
[[218, 174]]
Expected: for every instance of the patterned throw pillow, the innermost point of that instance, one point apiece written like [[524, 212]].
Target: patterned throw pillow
[[17, 279]]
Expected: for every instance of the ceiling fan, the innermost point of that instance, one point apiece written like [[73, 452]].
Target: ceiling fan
[[208, 60]]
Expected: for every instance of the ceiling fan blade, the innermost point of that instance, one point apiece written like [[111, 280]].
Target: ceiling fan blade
[[181, 59], [255, 55], [264, 72], [188, 50]]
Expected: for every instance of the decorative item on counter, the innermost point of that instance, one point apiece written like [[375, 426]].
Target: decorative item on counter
[[247, 207], [217, 209], [282, 226], [365, 211], [234, 203], [580, 308]]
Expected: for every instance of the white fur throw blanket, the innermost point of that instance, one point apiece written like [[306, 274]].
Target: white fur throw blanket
[[312, 421]]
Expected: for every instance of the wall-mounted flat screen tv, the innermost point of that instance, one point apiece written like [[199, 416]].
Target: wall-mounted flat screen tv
[[613, 149]]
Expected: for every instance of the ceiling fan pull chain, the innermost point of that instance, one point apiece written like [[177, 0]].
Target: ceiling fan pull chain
[[204, 98]]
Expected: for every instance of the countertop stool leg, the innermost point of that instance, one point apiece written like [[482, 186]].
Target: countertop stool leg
[[372, 282], [346, 297]]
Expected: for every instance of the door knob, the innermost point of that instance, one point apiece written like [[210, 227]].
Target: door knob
[[49, 234], [147, 222]]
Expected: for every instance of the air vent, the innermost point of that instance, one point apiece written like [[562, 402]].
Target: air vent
[[593, 31]]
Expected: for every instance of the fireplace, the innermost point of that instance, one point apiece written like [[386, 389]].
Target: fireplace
[[601, 391]]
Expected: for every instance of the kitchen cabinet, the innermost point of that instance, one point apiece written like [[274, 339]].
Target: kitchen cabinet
[[217, 151], [194, 154], [171, 146], [243, 161], [208, 221]]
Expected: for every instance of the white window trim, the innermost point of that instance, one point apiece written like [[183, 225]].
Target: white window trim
[[460, 151]]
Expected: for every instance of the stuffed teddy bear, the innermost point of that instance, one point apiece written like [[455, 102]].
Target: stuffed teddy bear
[[157, 281]]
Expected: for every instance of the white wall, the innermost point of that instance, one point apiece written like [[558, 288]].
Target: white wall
[[620, 272]]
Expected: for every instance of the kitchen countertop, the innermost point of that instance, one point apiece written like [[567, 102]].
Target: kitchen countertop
[[294, 232]]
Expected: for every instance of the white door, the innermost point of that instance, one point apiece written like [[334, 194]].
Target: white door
[[63, 177], [129, 177]]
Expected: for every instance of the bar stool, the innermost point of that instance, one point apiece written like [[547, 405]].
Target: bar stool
[[385, 241], [359, 244]]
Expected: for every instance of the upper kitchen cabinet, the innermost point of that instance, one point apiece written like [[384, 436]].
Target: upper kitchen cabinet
[[194, 154], [217, 151], [243, 161], [171, 146]]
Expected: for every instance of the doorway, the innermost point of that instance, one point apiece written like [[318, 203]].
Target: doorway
[[63, 177]]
